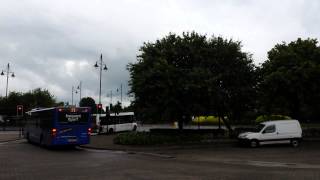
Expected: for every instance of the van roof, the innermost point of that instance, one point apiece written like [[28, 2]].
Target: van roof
[[279, 121]]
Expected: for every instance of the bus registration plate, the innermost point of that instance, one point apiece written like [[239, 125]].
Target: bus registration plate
[[72, 140]]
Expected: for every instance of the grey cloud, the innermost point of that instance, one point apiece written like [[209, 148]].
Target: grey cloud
[[54, 44]]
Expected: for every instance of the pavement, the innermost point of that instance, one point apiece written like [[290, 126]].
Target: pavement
[[9, 136]]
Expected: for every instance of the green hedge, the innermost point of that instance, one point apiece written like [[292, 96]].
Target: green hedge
[[207, 120], [263, 118], [147, 138]]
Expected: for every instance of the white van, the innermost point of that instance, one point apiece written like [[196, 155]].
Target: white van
[[273, 132]]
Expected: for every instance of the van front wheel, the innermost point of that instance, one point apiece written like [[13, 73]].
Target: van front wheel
[[295, 142], [254, 143]]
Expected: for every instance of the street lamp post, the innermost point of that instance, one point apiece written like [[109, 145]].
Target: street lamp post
[[101, 64], [7, 72], [79, 90]]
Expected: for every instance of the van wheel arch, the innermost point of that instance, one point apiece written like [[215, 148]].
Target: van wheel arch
[[254, 143]]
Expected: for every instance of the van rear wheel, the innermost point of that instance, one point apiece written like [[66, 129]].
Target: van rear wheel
[[295, 142], [254, 143]]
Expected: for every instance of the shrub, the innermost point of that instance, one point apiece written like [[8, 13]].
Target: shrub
[[207, 120], [263, 118], [165, 136]]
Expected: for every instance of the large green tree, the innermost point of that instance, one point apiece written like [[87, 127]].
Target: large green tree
[[177, 77], [89, 102], [291, 80]]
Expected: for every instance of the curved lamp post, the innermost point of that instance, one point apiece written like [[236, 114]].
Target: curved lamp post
[[78, 90], [7, 72], [102, 66]]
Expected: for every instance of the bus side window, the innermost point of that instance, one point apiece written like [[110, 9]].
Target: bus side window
[[128, 119], [35, 118], [116, 120], [46, 119], [111, 120]]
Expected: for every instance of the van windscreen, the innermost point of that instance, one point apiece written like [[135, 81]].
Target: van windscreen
[[259, 127]]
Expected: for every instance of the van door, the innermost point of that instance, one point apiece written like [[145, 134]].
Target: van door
[[269, 135]]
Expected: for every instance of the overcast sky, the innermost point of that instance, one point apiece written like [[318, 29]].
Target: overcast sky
[[54, 44]]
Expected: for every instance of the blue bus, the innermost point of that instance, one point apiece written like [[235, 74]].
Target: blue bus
[[58, 126]]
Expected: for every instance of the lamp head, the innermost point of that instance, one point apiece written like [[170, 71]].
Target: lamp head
[[105, 67], [96, 65]]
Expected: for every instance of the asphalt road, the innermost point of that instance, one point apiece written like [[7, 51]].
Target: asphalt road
[[20, 160]]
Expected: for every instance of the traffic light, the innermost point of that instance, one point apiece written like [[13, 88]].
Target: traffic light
[[99, 108], [19, 110]]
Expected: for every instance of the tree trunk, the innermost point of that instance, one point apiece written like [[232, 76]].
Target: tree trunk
[[180, 124], [226, 123]]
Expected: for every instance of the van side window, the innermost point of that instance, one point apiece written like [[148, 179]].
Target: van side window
[[270, 129]]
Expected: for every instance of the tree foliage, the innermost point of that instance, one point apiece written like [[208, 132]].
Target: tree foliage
[[181, 76], [116, 108], [32, 99], [89, 102], [290, 80]]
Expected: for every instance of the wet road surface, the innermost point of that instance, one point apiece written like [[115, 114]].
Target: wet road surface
[[20, 160]]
